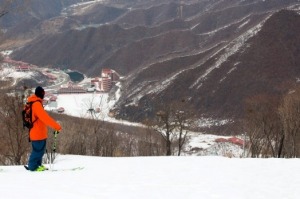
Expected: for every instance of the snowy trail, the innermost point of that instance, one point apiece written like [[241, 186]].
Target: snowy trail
[[156, 177]]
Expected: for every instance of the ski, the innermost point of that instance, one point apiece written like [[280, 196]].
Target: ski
[[62, 169], [68, 169]]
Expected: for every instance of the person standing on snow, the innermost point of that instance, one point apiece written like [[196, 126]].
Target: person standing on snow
[[38, 133]]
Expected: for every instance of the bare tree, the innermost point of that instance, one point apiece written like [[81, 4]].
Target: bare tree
[[183, 120], [181, 123], [289, 114], [98, 138], [13, 137], [263, 126], [165, 126], [173, 122], [150, 142], [273, 126]]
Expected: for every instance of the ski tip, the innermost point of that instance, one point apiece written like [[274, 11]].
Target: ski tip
[[26, 167]]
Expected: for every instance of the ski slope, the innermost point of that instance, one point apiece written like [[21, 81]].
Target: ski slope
[[189, 177]]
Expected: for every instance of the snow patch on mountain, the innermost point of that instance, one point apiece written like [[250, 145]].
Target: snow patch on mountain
[[80, 8], [230, 49], [295, 8]]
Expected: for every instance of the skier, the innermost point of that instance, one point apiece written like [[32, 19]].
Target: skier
[[38, 133]]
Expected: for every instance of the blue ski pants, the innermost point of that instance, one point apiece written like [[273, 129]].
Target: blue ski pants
[[37, 153]]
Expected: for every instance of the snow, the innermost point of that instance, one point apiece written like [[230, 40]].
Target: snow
[[78, 104], [80, 8], [243, 24], [230, 49], [156, 177], [11, 72], [6, 52]]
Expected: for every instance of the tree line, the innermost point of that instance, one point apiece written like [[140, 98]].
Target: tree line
[[272, 125], [166, 134]]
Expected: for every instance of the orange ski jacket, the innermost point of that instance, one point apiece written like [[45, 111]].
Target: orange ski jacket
[[41, 120]]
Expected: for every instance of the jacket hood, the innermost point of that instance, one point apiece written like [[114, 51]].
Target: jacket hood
[[33, 98]]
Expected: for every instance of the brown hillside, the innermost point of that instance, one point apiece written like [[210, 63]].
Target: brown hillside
[[215, 55], [268, 63]]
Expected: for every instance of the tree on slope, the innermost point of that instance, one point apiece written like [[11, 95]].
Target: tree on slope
[[273, 125], [263, 126], [289, 112], [173, 121], [13, 138]]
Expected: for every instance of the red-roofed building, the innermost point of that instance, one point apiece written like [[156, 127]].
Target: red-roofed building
[[108, 76], [233, 140], [106, 84], [22, 68], [236, 141], [71, 89], [106, 72]]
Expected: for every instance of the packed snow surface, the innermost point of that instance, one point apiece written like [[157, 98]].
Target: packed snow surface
[[188, 177]]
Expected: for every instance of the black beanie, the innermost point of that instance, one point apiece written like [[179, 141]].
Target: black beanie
[[39, 92]]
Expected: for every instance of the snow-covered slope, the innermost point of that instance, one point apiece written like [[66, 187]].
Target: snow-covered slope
[[156, 177]]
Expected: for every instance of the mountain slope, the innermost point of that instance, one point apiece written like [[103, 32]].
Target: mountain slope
[[213, 54], [25, 19], [263, 60]]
